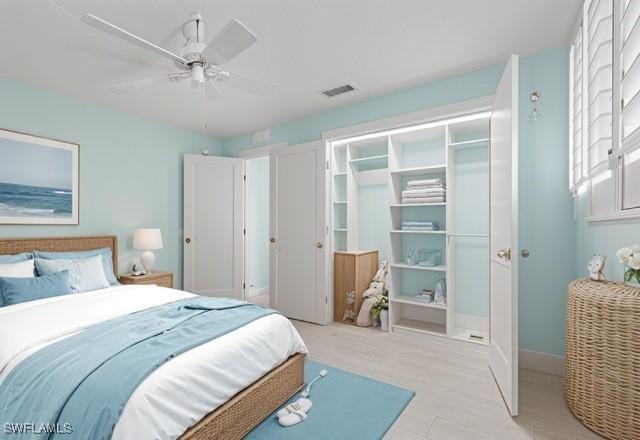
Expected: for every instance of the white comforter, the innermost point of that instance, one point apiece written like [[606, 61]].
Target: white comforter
[[183, 390]]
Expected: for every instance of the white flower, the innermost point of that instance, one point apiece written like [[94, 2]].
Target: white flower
[[624, 254], [635, 249], [634, 262]]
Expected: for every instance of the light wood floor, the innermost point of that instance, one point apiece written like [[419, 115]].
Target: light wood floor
[[456, 397]]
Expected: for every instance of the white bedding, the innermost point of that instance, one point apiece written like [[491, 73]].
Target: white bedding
[[183, 390]]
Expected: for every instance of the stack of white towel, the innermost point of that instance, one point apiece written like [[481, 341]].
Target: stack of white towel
[[425, 191]]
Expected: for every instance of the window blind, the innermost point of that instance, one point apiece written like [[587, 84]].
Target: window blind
[[600, 84], [630, 67], [577, 144]]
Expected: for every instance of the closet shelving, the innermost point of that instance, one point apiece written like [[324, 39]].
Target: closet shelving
[[455, 151]]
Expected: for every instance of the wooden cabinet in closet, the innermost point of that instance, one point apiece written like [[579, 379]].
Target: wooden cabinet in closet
[[352, 272]]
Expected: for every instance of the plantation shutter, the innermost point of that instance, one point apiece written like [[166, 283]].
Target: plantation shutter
[[600, 85], [577, 135]]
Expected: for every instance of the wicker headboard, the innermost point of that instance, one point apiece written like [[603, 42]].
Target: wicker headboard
[[61, 244]]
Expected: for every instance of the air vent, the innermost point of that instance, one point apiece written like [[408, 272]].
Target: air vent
[[335, 91]]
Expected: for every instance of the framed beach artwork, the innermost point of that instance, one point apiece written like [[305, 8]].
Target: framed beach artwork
[[38, 180]]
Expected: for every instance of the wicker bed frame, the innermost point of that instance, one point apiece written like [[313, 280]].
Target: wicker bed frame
[[241, 413]]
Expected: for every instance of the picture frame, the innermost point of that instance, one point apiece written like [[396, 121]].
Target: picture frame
[[39, 180]]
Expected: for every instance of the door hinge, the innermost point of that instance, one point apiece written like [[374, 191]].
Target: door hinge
[[326, 300], [244, 177], [243, 286], [622, 104], [327, 164], [244, 231]]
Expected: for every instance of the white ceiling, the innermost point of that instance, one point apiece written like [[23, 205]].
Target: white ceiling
[[304, 46]]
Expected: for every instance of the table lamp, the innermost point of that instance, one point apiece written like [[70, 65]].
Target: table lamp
[[147, 239]]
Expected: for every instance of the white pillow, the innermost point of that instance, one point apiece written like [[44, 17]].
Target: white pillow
[[21, 269], [85, 274]]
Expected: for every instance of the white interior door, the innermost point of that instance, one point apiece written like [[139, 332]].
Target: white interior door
[[503, 349], [298, 231], [213, 225]]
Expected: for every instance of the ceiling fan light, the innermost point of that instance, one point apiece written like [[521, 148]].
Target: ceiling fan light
[[197, 76]]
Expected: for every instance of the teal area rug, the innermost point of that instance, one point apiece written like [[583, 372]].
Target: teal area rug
[[345, 406]]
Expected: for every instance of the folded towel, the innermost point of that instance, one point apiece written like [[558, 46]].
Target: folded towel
[[433, 189], [425, 182], [424, 194], [420, 228], [435, 199], [420, 223]]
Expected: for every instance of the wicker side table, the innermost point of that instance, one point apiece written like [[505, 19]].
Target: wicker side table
[[602, 377]]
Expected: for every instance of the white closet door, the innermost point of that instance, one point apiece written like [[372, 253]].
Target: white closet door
[[503, 347], [213, 225], [298, 231]]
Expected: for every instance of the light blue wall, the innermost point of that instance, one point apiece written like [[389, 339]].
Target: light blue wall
[[257, 215], [373, 219], [546, 211], [130, 168], [546, 225], [459, 88], [602, 239]]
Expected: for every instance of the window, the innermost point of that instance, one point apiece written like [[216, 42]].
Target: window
[[605, 108]]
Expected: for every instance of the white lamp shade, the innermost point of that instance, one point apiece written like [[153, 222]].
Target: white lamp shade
[[147, 239]]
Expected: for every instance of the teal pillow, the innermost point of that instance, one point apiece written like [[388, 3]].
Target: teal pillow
[[6, 259], [105, 253], [19, 290]]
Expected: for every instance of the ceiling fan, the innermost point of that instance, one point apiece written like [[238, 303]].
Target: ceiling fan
[[198, 61]]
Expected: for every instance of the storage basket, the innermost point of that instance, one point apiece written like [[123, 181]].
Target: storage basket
[[602, 371]]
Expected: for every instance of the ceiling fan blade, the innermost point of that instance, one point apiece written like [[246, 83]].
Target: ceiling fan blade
[[229, 42], [211, 91], [251, 85], [132, 86], [114, 30]]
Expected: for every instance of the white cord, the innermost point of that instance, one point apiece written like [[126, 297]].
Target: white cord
[[307, 391]]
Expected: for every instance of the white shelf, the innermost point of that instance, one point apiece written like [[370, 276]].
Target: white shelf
[[470, 143], [416, 205], [416, 267], [371, 162], [401, 231], [339, 202], [421, 326], [407, 299], [420, 171], [344, 173], [340, 230]]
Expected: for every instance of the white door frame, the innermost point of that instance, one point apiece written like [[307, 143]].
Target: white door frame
[[252, 153]]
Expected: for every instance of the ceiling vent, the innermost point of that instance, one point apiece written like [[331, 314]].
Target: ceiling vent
[[339, 90]]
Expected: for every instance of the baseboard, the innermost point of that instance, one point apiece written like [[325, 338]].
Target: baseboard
[[250, 293], [542, 362]]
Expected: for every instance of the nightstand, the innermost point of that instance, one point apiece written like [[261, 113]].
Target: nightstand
[[164, 279]]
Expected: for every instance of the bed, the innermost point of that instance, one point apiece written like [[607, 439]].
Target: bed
[[248, 373]]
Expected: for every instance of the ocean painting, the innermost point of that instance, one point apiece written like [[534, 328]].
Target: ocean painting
[[38, 180]]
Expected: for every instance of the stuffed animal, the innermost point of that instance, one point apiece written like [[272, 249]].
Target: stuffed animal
[[378, 286]]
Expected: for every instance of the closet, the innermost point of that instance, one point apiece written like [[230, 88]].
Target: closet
[[430, 234]]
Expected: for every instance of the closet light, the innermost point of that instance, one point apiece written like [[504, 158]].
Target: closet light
[[438, 123]]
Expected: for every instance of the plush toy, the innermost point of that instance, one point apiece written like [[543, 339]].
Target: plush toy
[[378, 286]]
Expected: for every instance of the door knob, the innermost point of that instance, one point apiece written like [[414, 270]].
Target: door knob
[[272, 240], [524, 253], [319, 245], [187, 240], [504, 254]]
